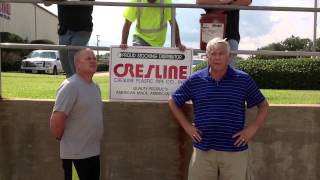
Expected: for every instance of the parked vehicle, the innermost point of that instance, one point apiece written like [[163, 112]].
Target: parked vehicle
[[42, 61]]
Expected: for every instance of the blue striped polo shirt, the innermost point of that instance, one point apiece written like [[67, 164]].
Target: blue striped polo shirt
[[219, 106]]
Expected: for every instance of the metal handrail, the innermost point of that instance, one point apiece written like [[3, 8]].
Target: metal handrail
[[107, 48], [173, 5], [49, 47]]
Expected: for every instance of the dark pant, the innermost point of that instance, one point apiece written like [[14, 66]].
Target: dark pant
[[87, 169]]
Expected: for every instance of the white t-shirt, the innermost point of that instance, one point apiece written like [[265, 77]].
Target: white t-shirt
[[81, 102]]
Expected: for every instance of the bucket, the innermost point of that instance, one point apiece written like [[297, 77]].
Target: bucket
[[212, 25]]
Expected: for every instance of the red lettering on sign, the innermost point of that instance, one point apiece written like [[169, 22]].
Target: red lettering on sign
[[159, 71], [139, 70], [116, 70], [183, 72], [165, 72], [173, 72], [148, 75], [127, 68], [5, 8], [158, 75]]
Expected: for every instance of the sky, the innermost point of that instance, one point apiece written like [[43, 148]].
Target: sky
[[257, 28]]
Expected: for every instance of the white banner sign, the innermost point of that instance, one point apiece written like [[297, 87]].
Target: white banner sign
[[147, 74], [212, 30]]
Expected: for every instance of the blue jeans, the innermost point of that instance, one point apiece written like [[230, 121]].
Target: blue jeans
[[73, 38], [233, 46]]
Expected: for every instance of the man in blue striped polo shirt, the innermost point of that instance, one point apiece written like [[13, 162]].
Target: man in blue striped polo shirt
[[220, 95]]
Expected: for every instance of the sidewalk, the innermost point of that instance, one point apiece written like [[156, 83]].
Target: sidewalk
[[102, 73]]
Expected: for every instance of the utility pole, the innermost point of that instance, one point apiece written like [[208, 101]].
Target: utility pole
[[315, 27], [98, 46], [35, 23]]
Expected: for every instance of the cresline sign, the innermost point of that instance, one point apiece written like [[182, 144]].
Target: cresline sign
[[147, 73]]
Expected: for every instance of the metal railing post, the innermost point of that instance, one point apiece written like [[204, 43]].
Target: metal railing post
[[173, 27], [315, 27]]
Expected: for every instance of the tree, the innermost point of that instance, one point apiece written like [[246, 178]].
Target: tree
[[318, 45], [297, 44], [270, 47], [7, 37], [11, 58], [292, 43], [41, 41]]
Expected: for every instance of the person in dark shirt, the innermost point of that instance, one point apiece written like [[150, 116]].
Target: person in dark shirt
[[232, 33], [75, 28]]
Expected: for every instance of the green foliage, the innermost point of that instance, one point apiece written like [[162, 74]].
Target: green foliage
[[284, 73], [318, 45], [41, 41], [297, 44], [7, 37], [200, 66], [290, 44], [102, 67], [281, 73], [11, 58]]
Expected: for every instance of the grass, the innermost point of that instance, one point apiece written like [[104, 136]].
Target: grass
[[292, 96], [41, 86]]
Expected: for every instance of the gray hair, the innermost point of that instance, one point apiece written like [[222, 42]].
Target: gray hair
[[213, 44], [78, 54]]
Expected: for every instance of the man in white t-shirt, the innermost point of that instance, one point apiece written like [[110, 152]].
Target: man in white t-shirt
[[77, 119]]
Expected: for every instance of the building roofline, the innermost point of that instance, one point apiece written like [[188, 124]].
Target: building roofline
[[46, 10]]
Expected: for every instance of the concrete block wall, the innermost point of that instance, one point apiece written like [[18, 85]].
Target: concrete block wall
[[142, 142]]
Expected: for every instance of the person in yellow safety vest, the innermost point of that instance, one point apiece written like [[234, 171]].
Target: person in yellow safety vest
[[151, 25]]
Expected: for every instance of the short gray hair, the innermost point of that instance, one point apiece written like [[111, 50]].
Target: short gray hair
[[78, 54], [214, 42]]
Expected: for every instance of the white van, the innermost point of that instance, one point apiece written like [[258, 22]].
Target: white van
[[45, 61]]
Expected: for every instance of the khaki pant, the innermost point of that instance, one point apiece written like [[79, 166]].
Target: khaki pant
[[218, 165]]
